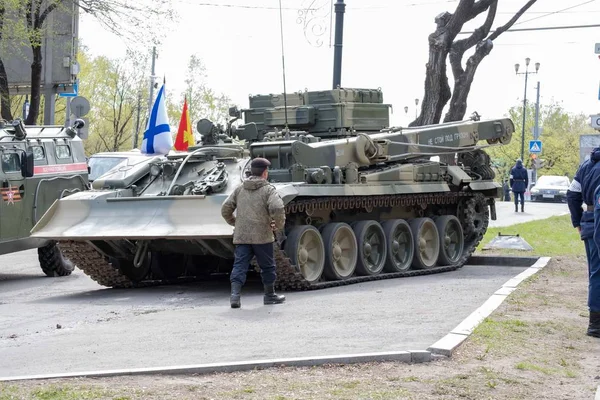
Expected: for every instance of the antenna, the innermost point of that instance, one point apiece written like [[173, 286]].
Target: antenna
[[283, 64]]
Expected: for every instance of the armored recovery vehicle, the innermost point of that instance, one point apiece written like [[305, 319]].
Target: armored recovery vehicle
[[363, 200], [39, 164]]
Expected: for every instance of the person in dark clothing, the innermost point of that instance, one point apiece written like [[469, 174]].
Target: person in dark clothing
[[506, 190], [585, 188], [519, 180], [259, 212]]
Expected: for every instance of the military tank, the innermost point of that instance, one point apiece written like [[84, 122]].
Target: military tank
[[363, 200]]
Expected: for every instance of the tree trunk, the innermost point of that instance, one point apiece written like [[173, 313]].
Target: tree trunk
[[36, 86], [437, 89], [462, 83], [5, 105]]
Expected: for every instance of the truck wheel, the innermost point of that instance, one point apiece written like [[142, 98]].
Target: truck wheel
[[52, 261]]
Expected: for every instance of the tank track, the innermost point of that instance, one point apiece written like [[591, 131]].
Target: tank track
[[93, 264], [474, 226]]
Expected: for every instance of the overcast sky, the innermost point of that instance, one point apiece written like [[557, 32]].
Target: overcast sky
[[385, 45]]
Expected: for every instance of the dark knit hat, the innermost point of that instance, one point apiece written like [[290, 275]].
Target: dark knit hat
[[260, 163]]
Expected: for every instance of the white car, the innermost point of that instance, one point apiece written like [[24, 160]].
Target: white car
[[550, 188]]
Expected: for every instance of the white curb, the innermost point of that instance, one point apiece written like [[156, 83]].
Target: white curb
[[417, 356], [449, 343]]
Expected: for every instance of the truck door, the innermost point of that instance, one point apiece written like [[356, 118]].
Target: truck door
[[12, 193]]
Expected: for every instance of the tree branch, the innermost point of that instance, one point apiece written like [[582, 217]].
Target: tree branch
[[459, 17], [459, 47], [46, 12], [481, 6], [512, 21]]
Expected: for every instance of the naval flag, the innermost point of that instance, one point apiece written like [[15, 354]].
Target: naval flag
[[157, 137]]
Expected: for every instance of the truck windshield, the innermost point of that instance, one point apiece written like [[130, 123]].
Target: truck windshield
[[101, 165]]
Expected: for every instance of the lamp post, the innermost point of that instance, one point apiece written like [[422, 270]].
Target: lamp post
[[526, 73], [416, 108]]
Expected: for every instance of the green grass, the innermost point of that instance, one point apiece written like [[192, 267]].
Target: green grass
[[551, 237]]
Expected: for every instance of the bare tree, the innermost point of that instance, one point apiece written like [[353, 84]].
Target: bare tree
[[139, 21], [443, 45], [5, 103]]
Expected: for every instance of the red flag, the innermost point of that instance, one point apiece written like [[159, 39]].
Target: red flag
[[185, 136]]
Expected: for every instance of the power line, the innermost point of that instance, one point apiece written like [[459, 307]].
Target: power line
[[556, 12], [252, 7], [543, 28]]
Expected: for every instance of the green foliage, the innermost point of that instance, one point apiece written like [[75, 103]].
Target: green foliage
[[203, 102], [560, 138], [113, 87], [554, 236]]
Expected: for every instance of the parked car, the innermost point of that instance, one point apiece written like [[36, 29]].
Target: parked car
[[550, 188]]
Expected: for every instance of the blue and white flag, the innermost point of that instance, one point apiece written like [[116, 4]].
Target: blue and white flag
[[157, 137]]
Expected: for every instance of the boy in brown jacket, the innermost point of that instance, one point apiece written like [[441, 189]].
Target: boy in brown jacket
[[260, 210]]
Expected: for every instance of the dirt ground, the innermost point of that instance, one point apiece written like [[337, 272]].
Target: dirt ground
[[532, 347]]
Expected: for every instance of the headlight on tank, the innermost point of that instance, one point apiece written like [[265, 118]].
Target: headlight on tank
[[155, 170]]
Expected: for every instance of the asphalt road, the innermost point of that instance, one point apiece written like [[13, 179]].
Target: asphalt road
[[506, 214], [104, 328], [72, 324]]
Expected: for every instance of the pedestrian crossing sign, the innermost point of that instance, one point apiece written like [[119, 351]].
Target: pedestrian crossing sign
[[535, 146]]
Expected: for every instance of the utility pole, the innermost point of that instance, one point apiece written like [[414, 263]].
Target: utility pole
[[536, 129], [151, 97], [536, 132], [340, 9], [526, 73]]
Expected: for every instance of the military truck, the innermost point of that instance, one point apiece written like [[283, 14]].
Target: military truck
[[363, 200], [38, 165]]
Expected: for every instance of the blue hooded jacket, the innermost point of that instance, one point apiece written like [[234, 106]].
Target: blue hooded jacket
[[583, 186], [519, 180]]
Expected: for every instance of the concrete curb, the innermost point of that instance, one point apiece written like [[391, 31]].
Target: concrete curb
[[597, 397], [441, 349], [503, 261], [449, 343], [416, 356]]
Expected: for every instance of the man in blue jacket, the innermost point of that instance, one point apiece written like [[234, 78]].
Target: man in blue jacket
[[519, 180], [585, 188]]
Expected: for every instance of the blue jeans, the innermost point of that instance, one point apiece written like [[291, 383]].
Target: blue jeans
[[593, 259], [264, 257]]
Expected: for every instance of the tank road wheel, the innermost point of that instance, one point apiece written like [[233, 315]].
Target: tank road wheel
[[304, 247], [400, 248], [426, 241], [451, 239], [52, 262], [340, 251], [372, 247]]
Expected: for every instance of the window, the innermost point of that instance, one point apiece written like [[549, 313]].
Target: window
[[38, 153], [101, 165], [11, 162], [63, 151]]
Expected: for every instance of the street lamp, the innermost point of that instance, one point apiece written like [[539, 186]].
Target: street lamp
[[526, 73], [416, 108]]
